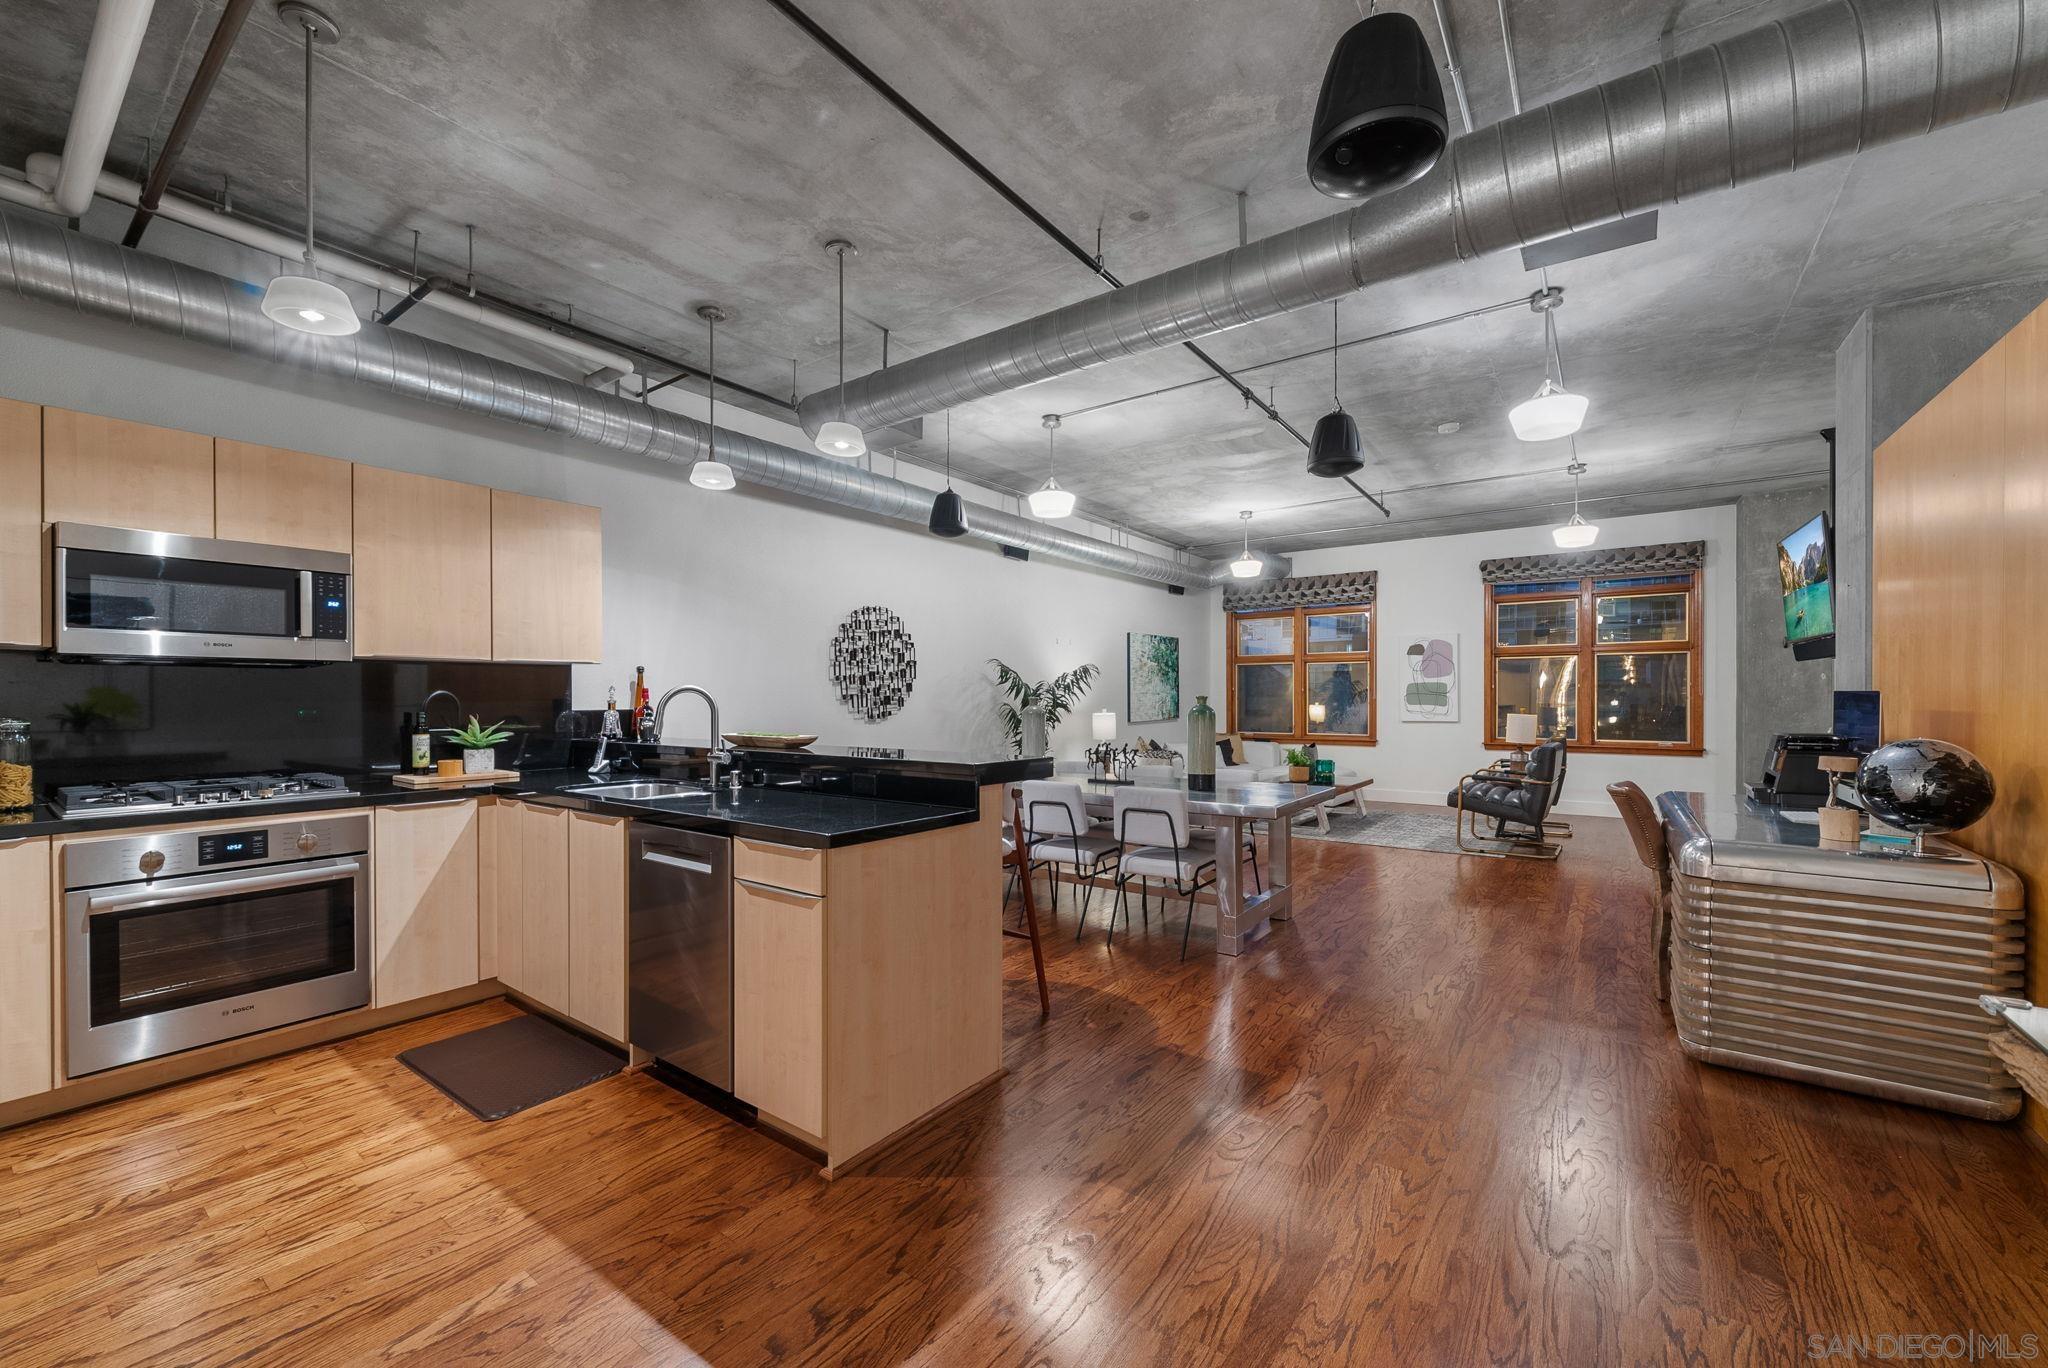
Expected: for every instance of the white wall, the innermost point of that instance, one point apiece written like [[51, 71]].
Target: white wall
[[1431, 586], [737, 592]]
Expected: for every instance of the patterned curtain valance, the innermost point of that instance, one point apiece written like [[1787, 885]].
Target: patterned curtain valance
[[1664, 558], [1303, 591]]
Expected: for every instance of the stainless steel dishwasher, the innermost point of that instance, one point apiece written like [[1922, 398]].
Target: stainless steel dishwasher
[[680, 1007]]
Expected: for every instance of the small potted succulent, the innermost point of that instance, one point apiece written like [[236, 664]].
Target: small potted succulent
[[1299, 764], [476, 743]]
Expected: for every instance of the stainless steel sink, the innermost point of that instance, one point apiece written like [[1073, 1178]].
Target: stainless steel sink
[[640, 792]]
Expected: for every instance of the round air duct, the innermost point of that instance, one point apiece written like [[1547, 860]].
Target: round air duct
[[1380, 119]]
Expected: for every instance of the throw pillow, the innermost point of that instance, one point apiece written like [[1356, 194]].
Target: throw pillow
[[1226, 749]]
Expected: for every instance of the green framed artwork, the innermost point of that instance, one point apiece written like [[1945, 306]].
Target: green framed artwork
[[1154, 677]]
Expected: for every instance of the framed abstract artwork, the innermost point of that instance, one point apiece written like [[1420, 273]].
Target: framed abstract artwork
[[1154, 674], [1429, 690]]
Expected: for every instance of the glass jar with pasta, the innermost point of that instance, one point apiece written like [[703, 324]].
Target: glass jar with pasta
[[17, 767]]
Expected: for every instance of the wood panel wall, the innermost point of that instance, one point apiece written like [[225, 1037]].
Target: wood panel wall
[[1959, 544]]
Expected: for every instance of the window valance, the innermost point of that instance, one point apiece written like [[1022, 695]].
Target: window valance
[[1301, 591], [1663, 558]]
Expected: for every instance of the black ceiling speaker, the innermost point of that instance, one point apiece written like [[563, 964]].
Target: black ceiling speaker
[[949, 519], [1380, 120], [1333, 451]]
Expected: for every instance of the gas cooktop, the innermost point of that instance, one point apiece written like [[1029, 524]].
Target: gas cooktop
[[178, 795]]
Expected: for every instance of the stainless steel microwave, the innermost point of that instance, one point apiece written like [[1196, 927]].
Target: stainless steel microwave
[[128, 595]]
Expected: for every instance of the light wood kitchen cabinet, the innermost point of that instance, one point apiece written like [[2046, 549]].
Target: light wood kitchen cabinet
[[26, 969], [547, 579], [528, 872], [281, 497], [597, 923], [778, 1004], [422, 567], [114, 473], [424, 919], [24, 562]]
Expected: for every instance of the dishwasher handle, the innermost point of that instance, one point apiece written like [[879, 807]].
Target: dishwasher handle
[[662, 857]]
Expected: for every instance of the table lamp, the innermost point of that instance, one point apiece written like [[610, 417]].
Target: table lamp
[[1318, 714], [1104, 724], [1520, 732]]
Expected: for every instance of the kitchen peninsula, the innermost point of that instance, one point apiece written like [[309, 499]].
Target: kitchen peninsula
[[865, 975]]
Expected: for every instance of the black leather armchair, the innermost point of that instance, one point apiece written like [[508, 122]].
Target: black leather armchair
[[1517, 803]]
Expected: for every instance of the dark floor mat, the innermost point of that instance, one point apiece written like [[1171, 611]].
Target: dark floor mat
[[506, 1068]]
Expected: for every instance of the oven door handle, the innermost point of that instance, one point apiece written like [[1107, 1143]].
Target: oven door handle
[[297, 877]]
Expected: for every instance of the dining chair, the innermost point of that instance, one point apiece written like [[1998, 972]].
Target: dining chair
[[1057, 833], [1014, 858], [1166, 776], [1647, 832], [1158, 843]]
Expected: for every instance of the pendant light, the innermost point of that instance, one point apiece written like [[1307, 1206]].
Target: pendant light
[[839, 438], [1049, 501], [307, 303], [949, 519], [709, 472], [1554, 411], [1380, 119], [1247, 566], [1333, 450], [1577, 533]]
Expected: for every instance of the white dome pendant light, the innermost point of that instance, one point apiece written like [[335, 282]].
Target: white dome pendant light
[[307, 303], [709, 472], [840, 439], [1247, 566], [1049, 501], [1577, 533], [1554, 411]]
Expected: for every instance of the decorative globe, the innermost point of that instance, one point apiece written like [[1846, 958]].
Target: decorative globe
[[1924, 786]]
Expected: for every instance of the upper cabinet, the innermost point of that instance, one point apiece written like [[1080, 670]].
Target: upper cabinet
[[114, 473], [422, 567], [281, 497], [24, 570], [547, 579]]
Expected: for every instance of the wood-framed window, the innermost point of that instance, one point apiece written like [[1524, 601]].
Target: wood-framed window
[[1613, 663], [1303, 674]]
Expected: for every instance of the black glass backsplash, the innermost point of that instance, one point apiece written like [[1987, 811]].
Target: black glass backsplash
[[105, 723]]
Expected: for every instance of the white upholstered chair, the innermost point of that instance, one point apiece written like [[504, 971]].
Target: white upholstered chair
[[1159, 844], [1059, 835]]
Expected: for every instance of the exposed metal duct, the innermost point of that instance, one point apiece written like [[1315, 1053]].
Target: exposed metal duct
[[41, 261], [1830, 81]]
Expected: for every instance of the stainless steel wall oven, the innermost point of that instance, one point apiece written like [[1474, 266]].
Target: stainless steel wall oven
[[183, 938]]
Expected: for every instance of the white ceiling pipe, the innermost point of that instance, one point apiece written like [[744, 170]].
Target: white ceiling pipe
[[109, 61], [16, 190], [600, 365]]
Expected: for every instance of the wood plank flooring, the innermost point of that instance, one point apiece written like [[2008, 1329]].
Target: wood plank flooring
[[1439, 1119]]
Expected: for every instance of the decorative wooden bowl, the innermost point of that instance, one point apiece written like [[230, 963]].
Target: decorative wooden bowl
[[769, 740]]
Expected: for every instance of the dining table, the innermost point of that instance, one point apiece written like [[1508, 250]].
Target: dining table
[[1242, 918]]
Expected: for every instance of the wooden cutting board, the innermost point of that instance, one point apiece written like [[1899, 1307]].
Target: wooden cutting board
[[453, 781]]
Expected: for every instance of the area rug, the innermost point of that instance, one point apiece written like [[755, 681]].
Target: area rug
[[1380, 827], [498, 1070]]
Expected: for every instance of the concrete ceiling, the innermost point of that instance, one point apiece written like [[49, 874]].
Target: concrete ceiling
[[634, 158]]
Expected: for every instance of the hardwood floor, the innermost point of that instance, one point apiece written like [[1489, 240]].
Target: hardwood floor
[[1439, 1119]]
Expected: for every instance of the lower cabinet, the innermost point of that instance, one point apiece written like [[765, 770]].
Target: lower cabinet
[[554, 914], [26, 966], [597, 923], [778, 1003], [424, 919]]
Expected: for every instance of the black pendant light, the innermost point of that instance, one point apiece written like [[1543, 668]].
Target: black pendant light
[[1333, 451], [949, 518], [1380, 119]]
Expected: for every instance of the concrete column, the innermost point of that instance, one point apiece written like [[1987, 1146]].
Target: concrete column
[[1896, 357], [1774, 692]]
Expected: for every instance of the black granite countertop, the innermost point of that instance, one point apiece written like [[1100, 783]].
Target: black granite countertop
[[786, 815], [985, 767]]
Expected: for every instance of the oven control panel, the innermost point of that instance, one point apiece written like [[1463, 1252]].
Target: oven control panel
[[232, 847]]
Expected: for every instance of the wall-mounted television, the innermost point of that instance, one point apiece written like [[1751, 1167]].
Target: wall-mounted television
[[1806, 572]]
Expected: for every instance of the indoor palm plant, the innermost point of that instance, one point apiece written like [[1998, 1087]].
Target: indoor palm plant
[[1049, 700], [476, 742], [1299, 765]]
